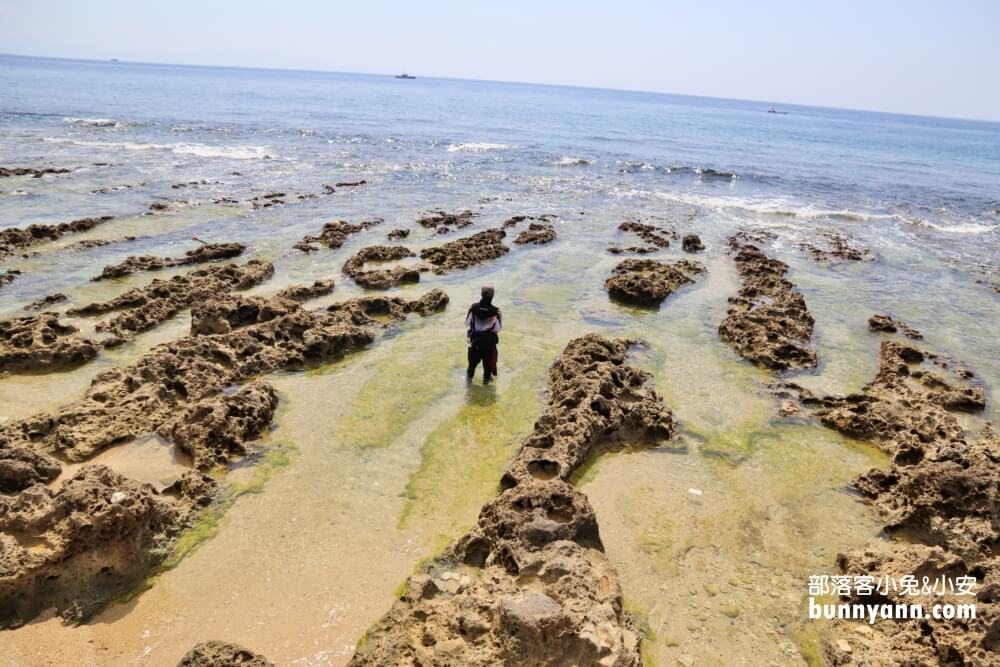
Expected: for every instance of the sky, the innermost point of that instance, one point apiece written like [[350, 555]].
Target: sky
[[934, 58]]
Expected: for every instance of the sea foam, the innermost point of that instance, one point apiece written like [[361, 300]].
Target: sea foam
[[475, 147], [200, 150]]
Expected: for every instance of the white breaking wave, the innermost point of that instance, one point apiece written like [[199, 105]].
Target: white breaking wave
[[476, 147], [93, 122], [201, 150], [962, 228], [789, 210], [569, 161]]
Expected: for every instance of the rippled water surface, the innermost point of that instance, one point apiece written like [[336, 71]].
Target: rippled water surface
[[382, 458]]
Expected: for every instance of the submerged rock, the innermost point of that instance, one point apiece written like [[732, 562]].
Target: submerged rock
[[647, 282], [222, 654], [8, 276], [467, 251], [692, 243], [335, 233], [42, 343], [15, 239], [768, 323], [210, 252], [839, 246], [443, 222], [538, 233], [530, 583], [46, 301], [382, 278], [889, 325], [397, 234], [145, 307], [7, 172]]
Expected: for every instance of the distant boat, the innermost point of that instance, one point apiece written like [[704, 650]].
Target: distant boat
[[772, 110], [114, 60], [404, 75]]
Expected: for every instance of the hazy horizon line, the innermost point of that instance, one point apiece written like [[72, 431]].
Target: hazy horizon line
[[988, 121]]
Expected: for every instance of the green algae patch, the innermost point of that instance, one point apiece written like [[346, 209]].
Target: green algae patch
[[405, 382], [647, 635], [810, 648], [211, 521], [461, 460]]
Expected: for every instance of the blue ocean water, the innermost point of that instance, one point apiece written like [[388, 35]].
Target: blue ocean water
[[935, 178]]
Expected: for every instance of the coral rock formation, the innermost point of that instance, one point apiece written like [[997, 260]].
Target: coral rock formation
[[145, 307], [467, 251], [382, 278], [42, 343], [443, 222], [692, 243], [889, 325], [222, 654], [217, 429], [46, 301], [95, 537], [941, 495], [537, 233], [15, 239], [335, 233], [648, 282], [768, 323], [7, 172], [99, 534], [210, 252], [366, 310]]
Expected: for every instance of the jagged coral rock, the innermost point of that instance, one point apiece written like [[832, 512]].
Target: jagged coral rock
[[648, 282], [145, 307], [768, 323], [467, 251], [382, 278], [42, 343], [222, 654], [92, 539], [210, 252]]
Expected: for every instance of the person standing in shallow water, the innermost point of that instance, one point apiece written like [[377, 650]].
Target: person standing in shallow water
[[483, 322]]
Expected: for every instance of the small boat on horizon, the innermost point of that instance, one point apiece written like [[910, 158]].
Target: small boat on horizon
[[773, 110], [404, 75]]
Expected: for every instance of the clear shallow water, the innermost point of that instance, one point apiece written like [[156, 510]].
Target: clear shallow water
[[390, 453]]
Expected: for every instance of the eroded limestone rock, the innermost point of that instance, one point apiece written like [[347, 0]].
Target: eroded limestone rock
[[211, 252], [647, 282], [145, 307], [41, 343], [768, 323]]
